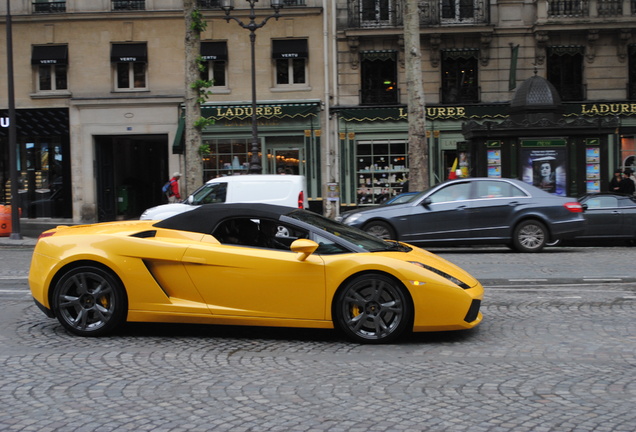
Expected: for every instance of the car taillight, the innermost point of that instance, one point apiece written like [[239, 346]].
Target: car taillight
[[46, 234], [301, 200], [574, 207]]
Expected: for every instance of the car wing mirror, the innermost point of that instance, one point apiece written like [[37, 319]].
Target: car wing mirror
[[303, 248], [190, 199], [584, 207], [427, 201]]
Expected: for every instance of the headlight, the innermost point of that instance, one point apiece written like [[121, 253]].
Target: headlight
[[351, 218], [445, 275]]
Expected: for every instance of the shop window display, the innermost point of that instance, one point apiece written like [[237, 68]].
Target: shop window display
[[225, 157], [382, 170]]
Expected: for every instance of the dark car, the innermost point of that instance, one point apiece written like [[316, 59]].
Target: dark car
[[609, 216], [476, 211]]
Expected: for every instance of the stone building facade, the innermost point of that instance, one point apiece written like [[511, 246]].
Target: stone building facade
[[99, 89]]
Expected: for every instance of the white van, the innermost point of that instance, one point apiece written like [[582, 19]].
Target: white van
[[284, 190]]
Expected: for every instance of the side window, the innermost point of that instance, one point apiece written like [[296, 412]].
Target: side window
[[262, 233], [495, 189], [208, 194], [602, 202], [327, 247], [454, 192]]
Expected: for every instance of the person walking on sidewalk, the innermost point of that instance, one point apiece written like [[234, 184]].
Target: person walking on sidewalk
[[173, 189]]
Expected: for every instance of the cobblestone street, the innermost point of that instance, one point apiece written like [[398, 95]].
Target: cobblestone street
[[549, 356]]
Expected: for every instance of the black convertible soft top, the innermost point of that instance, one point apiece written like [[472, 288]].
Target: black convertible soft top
[[208, 216]]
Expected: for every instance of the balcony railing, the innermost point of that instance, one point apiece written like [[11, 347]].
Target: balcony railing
[[126, 5], [49, 7], [610, 8], [379, 96], [433, 13], [216, 4], [568, 8]]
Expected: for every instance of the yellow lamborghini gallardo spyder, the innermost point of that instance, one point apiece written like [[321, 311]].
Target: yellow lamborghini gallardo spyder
[[255, 265]]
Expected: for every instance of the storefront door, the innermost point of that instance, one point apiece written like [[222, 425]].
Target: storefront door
[[285, 159]]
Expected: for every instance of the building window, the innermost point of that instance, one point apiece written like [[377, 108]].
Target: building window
[[51, 63], [290, 57], [129, 5], [565, 71], [49, 6], [209, 4], [460, 82], [377, 12], [458, 10], [381, 170], [631, 90], [130, 65], [378, 78], [214, 58]]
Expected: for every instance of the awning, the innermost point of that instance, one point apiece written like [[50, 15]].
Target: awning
[[49, 54], [214, 51], [289, 48], [134, 52], [178, 144]]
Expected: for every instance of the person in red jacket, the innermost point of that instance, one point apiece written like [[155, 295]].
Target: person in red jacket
[[174, 196]]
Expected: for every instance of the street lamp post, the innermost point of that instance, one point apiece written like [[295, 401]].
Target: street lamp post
[[15, 204], [252, 26]]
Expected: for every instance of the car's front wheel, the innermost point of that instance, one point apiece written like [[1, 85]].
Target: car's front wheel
[[380, 229], [89, 301], [373, 308], [530, 236]]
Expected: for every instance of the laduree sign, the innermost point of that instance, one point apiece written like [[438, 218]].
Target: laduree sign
[[4, 122], [263, 111]]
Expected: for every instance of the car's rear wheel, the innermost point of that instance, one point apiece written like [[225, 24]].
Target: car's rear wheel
[[373, 308], [530, 236], [380, 229], [89, 301]]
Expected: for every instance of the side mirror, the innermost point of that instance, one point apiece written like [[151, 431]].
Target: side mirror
[[427, 201], [303, 248], [190, 199]]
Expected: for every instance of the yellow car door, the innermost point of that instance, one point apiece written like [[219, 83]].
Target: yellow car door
[[257, 282]]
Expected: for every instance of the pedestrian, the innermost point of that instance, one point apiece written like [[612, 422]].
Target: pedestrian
[[627, 185], [631, 176], [614, 182], [173, 189]]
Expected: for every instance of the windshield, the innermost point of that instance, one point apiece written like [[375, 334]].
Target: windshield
[[353, 235]]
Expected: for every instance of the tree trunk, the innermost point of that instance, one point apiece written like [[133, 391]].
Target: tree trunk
[[418, 147], [193, 169]]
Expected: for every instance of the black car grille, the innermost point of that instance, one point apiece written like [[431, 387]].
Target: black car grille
[[473, 311]]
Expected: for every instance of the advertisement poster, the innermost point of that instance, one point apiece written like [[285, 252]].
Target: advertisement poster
[[593, 186], [545, 169], [494, 163]]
